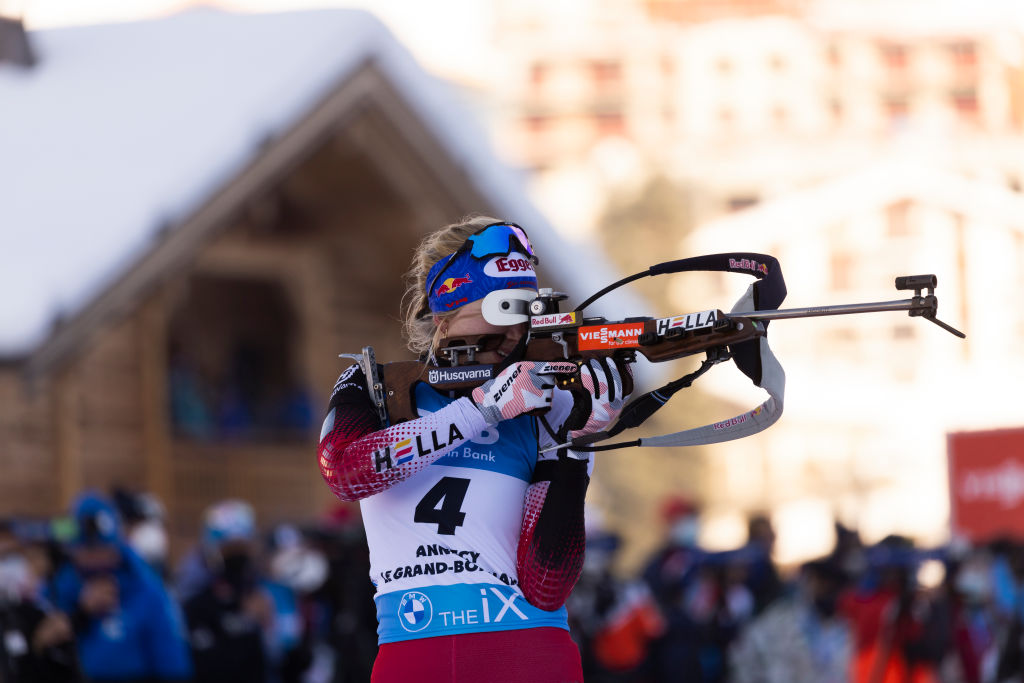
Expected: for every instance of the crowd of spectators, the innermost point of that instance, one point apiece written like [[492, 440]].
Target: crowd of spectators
[[888, 612], [92, 597]]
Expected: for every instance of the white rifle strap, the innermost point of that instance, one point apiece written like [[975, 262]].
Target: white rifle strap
[[773, 380]]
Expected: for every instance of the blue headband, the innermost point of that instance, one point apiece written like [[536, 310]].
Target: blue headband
[[468, 278]]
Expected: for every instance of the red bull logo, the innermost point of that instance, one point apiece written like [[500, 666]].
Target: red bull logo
[[449, 285], [553, 319], [748, 264]]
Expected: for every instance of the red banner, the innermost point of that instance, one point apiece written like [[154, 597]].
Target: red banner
[[986, 483]]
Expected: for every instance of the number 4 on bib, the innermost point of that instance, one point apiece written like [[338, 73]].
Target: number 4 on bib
[[442, 505]]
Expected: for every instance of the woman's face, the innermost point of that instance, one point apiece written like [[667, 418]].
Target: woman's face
[[469, 320]]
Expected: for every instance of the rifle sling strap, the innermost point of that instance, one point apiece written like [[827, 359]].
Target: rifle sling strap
[[769, 376]]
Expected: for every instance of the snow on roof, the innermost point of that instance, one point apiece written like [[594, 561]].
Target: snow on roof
[[123, 129]]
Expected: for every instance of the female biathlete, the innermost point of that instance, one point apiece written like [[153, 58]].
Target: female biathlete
[[475, 538]]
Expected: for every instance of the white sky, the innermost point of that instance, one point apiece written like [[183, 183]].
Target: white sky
[[440, 32]]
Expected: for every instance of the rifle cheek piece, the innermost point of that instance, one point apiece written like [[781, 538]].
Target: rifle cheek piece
[[506, 307]]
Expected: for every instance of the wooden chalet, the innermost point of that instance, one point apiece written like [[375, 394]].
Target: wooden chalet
[[201, 219]]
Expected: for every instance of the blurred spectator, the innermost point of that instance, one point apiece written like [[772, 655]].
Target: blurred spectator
[[190, 412], [1007, 574], [143, 517], [762, 578], [975, 629], [615, 621], [703, 596], [36, 642], [799, 639], [242, 628], [127, 627], [669, 575], [899, 635], [301, 608], [848, 553], [343, 610]]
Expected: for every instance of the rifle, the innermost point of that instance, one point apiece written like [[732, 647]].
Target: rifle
[[553, 335]]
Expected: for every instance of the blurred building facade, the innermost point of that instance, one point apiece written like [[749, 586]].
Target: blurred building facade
[[854, 141], [871, 398], [748, 100]]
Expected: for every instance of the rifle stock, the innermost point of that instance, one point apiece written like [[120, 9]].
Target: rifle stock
[[655, 339]]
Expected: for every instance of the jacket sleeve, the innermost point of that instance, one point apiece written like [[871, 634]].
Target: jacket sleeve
[[549, 558], [168, 643], [359, 458]]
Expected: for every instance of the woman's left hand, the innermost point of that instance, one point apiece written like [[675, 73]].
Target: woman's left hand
[[603, 380]]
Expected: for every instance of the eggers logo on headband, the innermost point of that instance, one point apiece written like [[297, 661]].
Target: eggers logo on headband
[[509, 266]]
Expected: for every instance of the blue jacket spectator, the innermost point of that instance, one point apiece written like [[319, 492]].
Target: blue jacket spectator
[[126, 625]]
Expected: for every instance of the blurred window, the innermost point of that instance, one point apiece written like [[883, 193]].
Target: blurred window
[[897, 216], [742, 201], [726, 118], [904, 331], [841, 274], [963, 53], [895, 56], [965, 102], [897, 107], [536, 123], [834, 55], [780, 116], [232, 356], [539, 73], [606, 72], [610, 122], [668, 66], [835, 108]]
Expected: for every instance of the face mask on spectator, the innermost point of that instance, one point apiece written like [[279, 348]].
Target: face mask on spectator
[[149, 540], [299, 568], [973, 584], [16, 580], [685, 530]]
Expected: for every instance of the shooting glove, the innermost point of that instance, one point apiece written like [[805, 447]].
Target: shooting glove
[[517, 389], [573, 414], [602, 378]]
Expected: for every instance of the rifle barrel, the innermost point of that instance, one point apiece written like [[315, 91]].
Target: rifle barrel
[[842, 309]]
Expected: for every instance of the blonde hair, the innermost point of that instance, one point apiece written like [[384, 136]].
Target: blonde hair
[[421, 334]]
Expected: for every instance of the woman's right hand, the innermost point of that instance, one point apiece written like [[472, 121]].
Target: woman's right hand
[[517, 389]]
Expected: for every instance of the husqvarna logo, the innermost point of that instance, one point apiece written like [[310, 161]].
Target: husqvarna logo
[[457, 375], [415, 611]]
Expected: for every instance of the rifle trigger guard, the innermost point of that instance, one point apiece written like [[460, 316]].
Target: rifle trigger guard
[[718, 354], [559, 339]]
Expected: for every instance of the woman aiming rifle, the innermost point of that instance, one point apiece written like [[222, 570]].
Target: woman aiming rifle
[[475, 538]]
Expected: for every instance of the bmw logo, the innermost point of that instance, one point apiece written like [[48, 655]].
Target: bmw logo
[[415, 611]]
